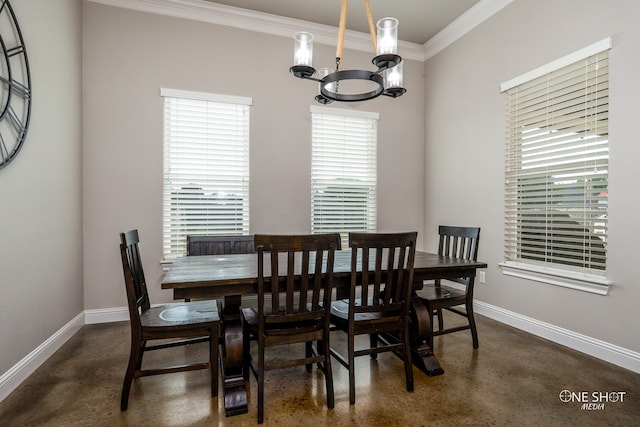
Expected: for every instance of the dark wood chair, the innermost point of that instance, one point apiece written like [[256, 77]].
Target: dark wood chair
[[383, 304], [219, 245], [189, 322], [300, 268], [459, 242]]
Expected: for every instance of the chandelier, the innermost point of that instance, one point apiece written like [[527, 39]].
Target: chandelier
[[354, 85]]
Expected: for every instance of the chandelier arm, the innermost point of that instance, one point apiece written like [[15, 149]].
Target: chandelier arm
[[343, 25], [372, 28]]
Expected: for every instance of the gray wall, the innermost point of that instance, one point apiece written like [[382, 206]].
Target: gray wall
[[129, 56], [465, 122], [40, 191]]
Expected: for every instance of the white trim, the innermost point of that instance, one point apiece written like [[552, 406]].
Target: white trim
[[583, 282], [204, 11], [205, 96], [344, 112], [578, 55], [466, 22], [602, 350], [106, 315], [230, 16], [32, 361]]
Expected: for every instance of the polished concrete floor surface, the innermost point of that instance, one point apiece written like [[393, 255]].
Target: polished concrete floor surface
[[514, 378]]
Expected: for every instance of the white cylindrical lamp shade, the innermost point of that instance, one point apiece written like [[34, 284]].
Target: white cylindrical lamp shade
[[303, 49], [322, 73], [387, 40], [393, 77]]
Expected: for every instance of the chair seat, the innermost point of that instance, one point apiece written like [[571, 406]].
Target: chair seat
[[340, 312], [180, 314], [250, 316], [432, 292]]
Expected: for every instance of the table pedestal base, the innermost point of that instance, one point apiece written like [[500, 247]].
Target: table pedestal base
[[420, 329], [423, 358], [233, 384]]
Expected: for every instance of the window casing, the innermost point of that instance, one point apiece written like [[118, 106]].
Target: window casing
[[206, 167], [343, 171], [557, 165]]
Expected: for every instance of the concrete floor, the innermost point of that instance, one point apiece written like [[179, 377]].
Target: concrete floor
[[514, 378]]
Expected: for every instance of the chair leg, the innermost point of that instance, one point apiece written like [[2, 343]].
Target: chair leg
[[440, 320], [472, 324], [143, 345], [260, 382], [135, 361], [373, 343], [213, 354], [408, 366], [328, 373], [308, 346], [352, 367]]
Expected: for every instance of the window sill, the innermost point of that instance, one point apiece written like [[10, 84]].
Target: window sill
[[582, 282], [166, 264]]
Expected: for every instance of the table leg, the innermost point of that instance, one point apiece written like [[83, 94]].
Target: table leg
[[234, 387], [421, 353]]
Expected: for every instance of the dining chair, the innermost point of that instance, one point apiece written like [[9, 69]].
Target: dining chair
[[379, 299], [219, 245], [299, 268], [459, 242], [180, 323]]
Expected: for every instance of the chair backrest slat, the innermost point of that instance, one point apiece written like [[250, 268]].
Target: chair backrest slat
[[459, 242], [394, 255], [301, 267]]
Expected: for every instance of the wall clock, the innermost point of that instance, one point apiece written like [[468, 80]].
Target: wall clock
[[15, 86]]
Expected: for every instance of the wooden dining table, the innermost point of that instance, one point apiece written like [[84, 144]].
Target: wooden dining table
[[228, 277]]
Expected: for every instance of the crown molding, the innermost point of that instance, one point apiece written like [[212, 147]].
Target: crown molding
[[466, 22], [214, 13]]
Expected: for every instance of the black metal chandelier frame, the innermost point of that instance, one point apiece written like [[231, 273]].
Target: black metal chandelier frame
[[383, 62]]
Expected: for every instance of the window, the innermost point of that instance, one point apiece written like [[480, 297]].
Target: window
[[343, 171], [557, 166], [206, 167]]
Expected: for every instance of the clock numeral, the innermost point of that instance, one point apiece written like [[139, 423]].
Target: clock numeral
[[4, 3], [17, 87], [3, 150], [15, 121], [15, 50]]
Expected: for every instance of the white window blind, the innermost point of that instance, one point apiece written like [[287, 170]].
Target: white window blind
[[206, 167], [343, 171], [557, 165]]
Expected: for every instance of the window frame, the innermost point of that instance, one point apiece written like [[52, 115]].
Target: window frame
[[191, 157], [543, 271], [361, 151]]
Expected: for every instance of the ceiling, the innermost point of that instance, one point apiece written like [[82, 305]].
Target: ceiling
[[420, 20]]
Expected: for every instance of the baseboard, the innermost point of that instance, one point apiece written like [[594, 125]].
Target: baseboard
[[600, 349], [21, 371], [106, 315]]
